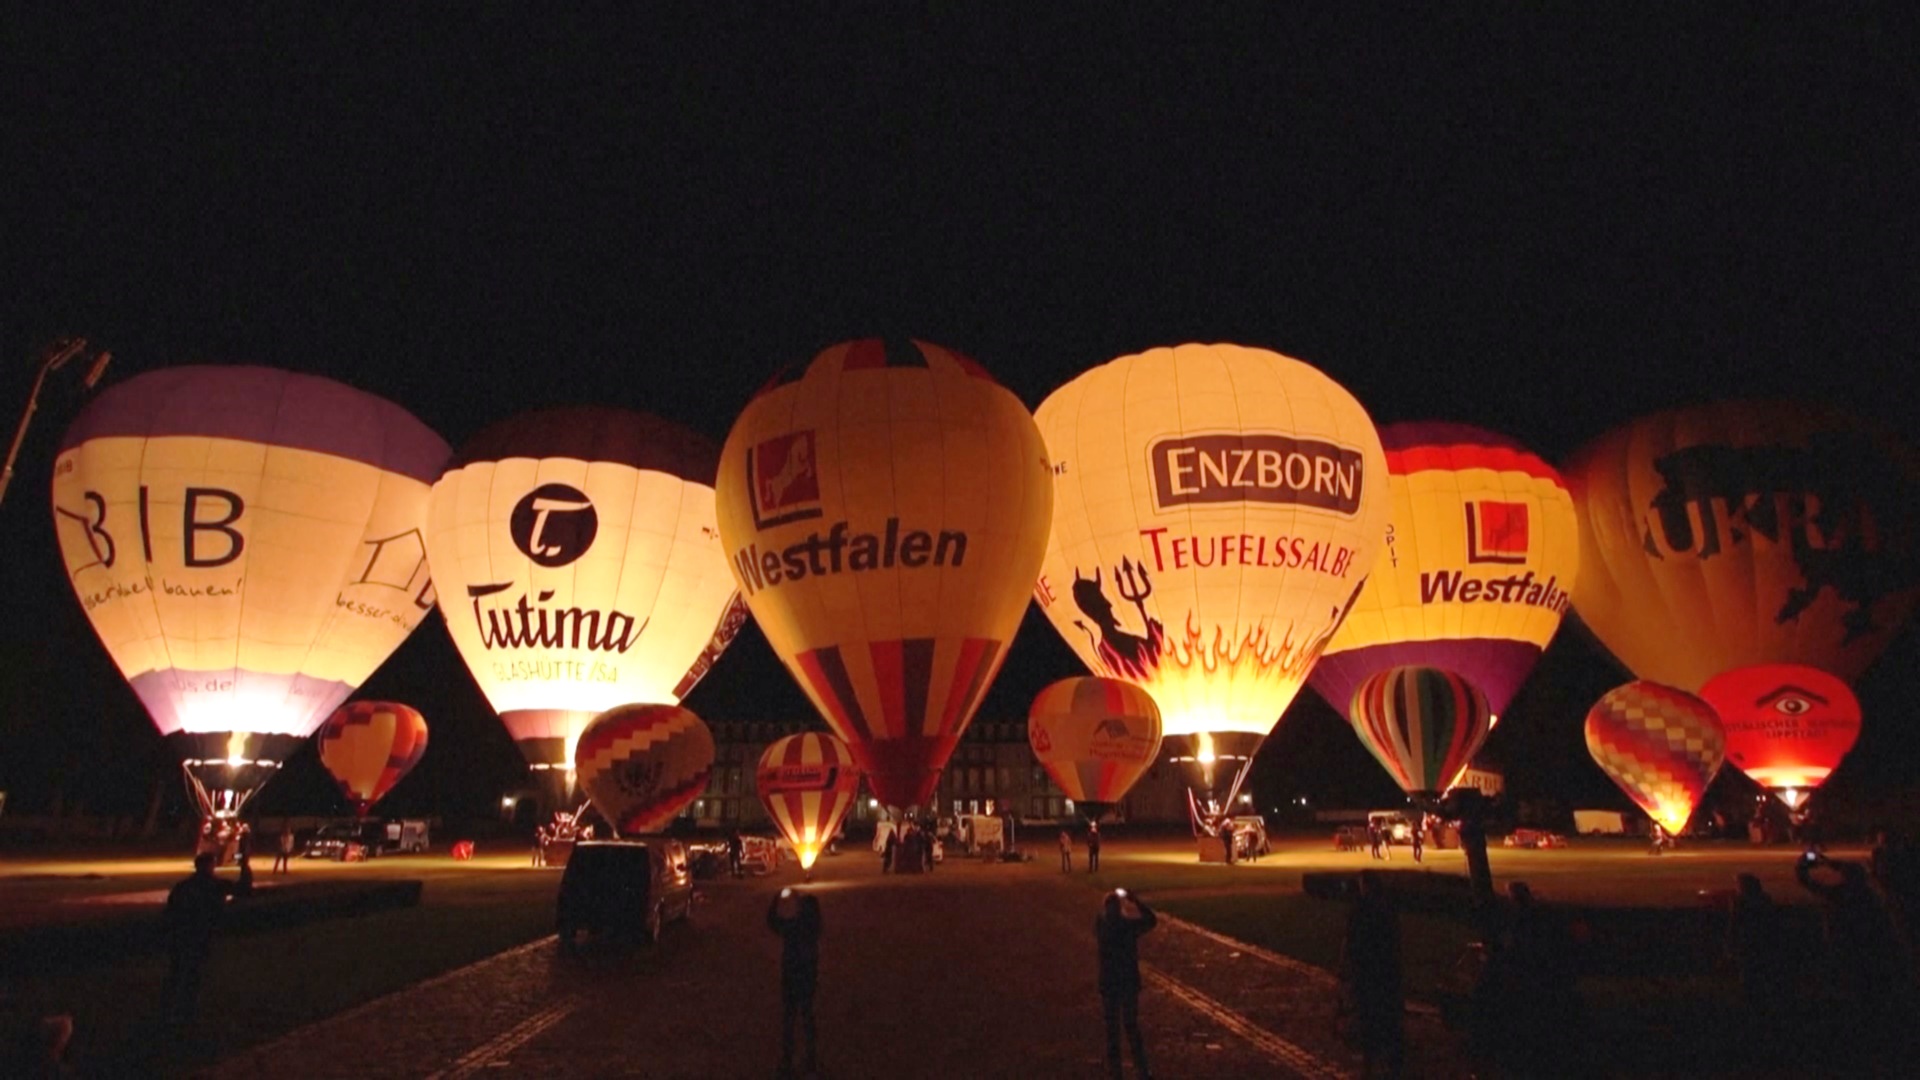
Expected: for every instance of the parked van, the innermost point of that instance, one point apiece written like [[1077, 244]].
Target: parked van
[[623, 888], [1397, 826]]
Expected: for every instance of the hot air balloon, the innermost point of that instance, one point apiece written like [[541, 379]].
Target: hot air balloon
[[808, 783], [1733, 535], [1217, 509], [369, 746], [884, 509], [1481, 554], [1661, 745], [246, 542], [1423, 724], [1096, 737], [579, 567], [1787, 725], [642, 764]]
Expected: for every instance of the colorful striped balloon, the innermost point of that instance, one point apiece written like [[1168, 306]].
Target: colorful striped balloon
[[369, 746], [1661, 745], [1481, 555], [642, 764], [1423, 724], [1095, 737], [808, 783]]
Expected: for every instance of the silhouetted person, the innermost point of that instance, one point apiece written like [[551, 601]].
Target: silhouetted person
[[1530, 1012], [1119, 938], [888, 848], [284, 853], [1066, 852], [1093, 846], [1376, 836], [1370, 964], [1895, 866], [736, 848], [1873, 972], [192, 913], [799, 972], [1419, 837], [1226, 840], [1662, 841], [1756, 942]]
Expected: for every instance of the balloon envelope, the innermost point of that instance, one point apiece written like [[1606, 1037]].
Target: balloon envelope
[[369, 746], [1096, 737], [1217, 509], [579, 567], [1423, 724], [1662, 746], [885, 508], [1788, 726], [808, 783], [246, 542], [1481, 554], [1746, 533], [643, 764]]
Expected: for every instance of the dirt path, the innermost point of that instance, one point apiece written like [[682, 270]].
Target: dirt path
[[977, 970]]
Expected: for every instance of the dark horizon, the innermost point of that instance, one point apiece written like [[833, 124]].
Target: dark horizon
[[1541, 223]]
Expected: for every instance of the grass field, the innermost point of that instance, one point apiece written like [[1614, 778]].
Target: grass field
[[259, 985], [264, 983]]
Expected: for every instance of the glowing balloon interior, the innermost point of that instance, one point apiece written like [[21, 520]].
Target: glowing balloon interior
[[1481, 554], [1096, 737], [1660, 745], [807, 783], [579, 567], [884, 509], [1788, 726], [1747, 533], [369, 746], [1422, 724], [643, 764], [1217, 509], [246, 542]]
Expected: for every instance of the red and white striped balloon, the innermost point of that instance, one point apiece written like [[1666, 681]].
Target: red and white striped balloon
[[808, 783], [642, 764]]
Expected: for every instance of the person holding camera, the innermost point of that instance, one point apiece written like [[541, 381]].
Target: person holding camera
[[797, 920], [1122, 921]]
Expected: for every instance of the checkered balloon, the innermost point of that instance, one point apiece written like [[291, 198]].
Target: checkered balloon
[[1661, 745], [643, 764]]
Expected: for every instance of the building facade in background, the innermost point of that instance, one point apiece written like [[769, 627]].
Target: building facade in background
[[991, 769]]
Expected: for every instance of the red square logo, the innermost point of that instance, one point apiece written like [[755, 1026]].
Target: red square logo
[[785, 479], [1497, 532]]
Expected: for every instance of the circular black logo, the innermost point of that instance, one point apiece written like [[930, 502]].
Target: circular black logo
[[553, 524]]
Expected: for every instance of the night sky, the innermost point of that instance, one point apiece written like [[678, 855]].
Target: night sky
[[1543, 223]]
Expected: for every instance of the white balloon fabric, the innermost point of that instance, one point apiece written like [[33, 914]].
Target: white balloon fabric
[[579, 567], [246, 542], [1216, 510]]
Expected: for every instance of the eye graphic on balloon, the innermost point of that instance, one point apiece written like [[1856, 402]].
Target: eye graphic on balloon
[[1792, 706]]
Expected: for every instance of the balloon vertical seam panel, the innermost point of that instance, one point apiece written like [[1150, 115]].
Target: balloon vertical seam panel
[[191, 438], [1081, 471]]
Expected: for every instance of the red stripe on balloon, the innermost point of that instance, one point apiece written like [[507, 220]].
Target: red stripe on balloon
[[1454, 458]]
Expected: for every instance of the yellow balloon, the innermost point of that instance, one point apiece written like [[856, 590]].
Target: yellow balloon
[[1479, 566], [578, 566], [884, 512], [1746, 533], [1217, 509]]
